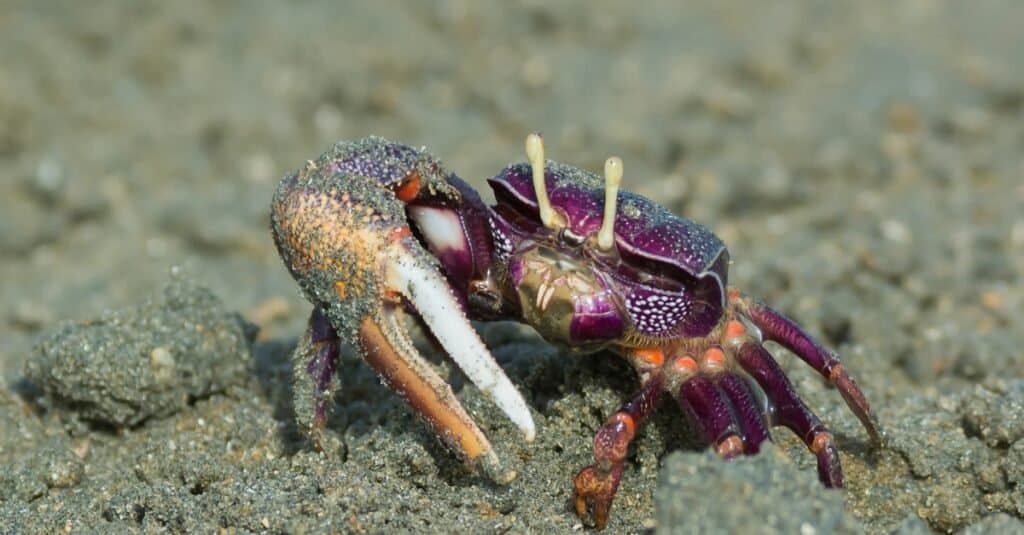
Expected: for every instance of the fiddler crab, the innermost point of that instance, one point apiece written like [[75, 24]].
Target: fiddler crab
[[373, 229]]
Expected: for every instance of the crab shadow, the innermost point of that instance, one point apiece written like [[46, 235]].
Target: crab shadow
[[272, 370], [546, 377], [363, 405], [360, 400]]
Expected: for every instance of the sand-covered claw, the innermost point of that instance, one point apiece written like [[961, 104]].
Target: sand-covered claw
[[340, 225]]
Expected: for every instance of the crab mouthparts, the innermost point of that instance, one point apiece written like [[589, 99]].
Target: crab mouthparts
[[428, 291]]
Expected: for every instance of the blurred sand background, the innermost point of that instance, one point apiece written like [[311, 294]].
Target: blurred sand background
[[863, 161]]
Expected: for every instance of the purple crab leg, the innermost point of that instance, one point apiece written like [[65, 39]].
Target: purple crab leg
[[709, 410], [315, 360], [790, 410], [596, 484], [780, 329], [750, 417]]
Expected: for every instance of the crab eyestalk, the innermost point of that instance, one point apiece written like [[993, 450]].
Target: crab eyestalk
[[535, 153], [612, 180]]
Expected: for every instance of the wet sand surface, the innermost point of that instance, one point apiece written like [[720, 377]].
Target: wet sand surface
[[862, 160]]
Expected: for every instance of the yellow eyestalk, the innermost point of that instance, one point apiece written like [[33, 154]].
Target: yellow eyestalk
[[612, 179], [535, 153]]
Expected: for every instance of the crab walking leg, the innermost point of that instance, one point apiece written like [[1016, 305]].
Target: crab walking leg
[[429, 293], [749, 416], [596, 484], [386, 347], [780, 329], [710, 411], [791, 412], [314, 361]]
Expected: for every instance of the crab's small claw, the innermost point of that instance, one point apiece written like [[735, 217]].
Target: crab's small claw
[[595, 486], [594, 491]]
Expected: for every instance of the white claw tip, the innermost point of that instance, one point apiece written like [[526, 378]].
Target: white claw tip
[[529, 432], [612, 179], [535, 153]]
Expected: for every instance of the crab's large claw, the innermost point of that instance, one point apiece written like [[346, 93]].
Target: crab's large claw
[[346, 241], [386, 346]]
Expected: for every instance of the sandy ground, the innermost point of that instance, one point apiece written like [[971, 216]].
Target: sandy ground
[[861, 159]]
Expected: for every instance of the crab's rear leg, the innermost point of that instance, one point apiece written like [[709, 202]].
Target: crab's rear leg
[[791, 411], [780, 329], [748, 415]]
